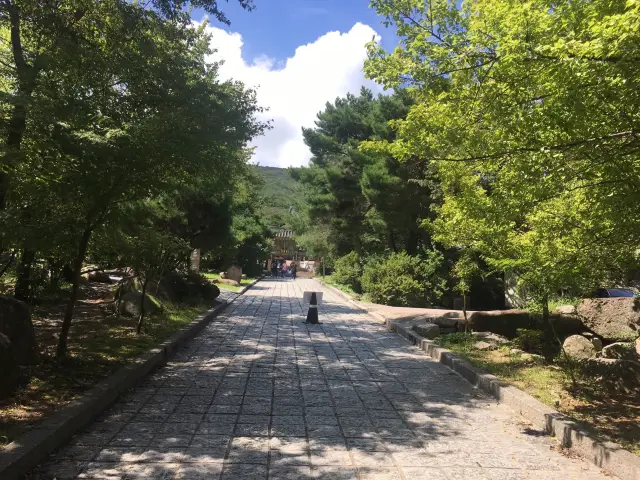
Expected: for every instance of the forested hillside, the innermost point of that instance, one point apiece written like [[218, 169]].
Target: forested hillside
[[281, 195]]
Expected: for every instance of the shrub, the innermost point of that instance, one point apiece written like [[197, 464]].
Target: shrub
[[532, 341], [348, 271], [405, 280]]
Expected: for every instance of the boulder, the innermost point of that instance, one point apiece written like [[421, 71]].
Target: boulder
[[492, 338], [620, 351], [532, 358], [209, 292], [15, 323], [613, 319], [130, 304], [508, 322], [446, 323], [579, 347], [234, 272], [9, 370], [99, 277], [178, 287], [484, 346], [596, 342], [615, 374], [427, 330], [516, 351], [565, 310]]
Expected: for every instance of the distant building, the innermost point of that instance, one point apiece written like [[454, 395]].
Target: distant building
[[284, 246]]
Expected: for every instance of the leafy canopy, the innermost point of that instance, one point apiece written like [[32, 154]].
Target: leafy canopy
[[529, 115]]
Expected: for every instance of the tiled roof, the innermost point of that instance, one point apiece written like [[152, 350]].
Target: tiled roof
[[284, 234]]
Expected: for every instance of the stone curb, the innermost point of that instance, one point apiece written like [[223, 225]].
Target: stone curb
[[347, 298], [23, 454], [247, 287], [609, 456], [606, 455]]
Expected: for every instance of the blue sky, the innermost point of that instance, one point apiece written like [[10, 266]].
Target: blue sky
[[297, 55], [276, 27]]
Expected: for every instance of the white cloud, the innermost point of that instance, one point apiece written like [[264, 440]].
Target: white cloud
[[296, 90]]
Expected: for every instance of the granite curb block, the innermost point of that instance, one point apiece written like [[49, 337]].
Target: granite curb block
[[34, 446], [606, 455], [241, 292]]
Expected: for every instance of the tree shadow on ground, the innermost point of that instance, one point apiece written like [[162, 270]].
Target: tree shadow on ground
[[260, 392]]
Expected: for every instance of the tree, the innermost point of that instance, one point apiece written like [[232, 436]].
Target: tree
[[365, 199], [46, 41], [529, 115], [134, 113]]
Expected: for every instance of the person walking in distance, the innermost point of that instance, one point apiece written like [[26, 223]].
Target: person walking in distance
[[293, 269], [274, 268]]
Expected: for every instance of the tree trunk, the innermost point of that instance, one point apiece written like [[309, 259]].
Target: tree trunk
[[8, 264], [61, 351], [141, 316], [412, 240], [464, 312], [569, 362], [22, 289], [392, 240], [26, 83]]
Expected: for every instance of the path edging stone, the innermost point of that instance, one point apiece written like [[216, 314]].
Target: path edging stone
[[31, 448], [609, 456], [247, 287]]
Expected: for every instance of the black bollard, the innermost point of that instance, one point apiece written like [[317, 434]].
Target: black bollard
[[312, 315]]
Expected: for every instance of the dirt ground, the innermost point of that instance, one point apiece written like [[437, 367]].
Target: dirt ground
[[100, 342]]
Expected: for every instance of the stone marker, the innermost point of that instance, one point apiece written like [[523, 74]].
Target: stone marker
[[194, 260], [234, 272]]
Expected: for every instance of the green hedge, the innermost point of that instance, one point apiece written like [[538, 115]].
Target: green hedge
[[404, 280], [348, 271]]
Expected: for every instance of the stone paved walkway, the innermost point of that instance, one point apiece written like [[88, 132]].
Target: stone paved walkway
[[259, 395]]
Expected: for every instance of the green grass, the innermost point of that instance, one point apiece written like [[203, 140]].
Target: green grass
[[233, 288], [611, 415], [343, 288]]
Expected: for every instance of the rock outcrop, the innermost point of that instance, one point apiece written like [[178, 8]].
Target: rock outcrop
[[613, 319], [15, 323], [427, 330], [621, 351], [130, 304], [9, 370]]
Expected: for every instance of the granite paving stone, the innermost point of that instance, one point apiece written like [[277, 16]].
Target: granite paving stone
[[258, 394]]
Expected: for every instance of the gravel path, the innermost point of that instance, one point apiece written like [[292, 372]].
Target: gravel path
[[258, 395]]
